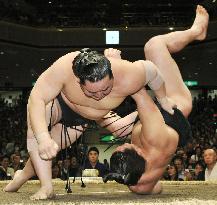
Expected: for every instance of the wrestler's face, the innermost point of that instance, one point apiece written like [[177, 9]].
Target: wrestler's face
[[98, 90]]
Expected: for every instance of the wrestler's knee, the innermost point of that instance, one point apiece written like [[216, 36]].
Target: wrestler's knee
[[152, 44], [187, 103], [187, 109]]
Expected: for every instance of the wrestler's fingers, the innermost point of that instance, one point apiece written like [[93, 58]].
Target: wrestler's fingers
[[52, 150], [56, 147], [110, 51], [116, 51], [119, 149], [127, 145], [106, 52], [122, 147], [52, 153], [43, 156], [49, 155]]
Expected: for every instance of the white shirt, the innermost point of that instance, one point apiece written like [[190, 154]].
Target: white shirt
[[211, 175], [194, 157]]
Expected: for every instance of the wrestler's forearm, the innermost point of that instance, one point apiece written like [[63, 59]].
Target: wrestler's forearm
[[118, 126], [36, 109]]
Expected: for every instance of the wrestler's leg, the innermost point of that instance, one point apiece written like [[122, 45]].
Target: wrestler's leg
[[42, 167], [35, 165], [158, 51], [73, 132], [20, 177]]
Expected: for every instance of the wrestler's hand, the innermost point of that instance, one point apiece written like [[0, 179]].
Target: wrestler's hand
[[124, 146], [111, 52], [167, 104], [47, 147]]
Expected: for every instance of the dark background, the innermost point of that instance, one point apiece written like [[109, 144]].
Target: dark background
[[33, 34]]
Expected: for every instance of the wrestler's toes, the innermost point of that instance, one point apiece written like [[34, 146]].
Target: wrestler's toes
[[43, 194], [38, 197]]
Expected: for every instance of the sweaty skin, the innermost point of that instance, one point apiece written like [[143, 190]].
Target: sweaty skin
[[128, 79], [152, 138], [59, 78], [92, 100]]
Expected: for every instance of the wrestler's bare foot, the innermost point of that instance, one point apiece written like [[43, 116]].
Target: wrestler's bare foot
[[18, 180], [200, 23], [43, 193]]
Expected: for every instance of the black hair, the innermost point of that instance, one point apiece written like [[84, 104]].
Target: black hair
[[126, 167], [6, 157], [200, 163], [178, 158], [176, 178], [93, 149], [91, 65]]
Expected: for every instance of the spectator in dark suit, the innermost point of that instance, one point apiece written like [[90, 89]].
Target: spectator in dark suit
[[93, 162]]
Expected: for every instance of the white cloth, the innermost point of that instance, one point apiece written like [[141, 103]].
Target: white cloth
[[211, 175], [194, 157], [9, 171]]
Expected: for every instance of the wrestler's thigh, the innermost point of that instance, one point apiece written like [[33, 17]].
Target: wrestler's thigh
[[73, 135], [56, 116], [156, 51]]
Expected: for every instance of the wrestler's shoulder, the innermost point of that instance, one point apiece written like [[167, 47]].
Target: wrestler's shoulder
[[69, 56], [64, 62], [124, 64], [118, 61]]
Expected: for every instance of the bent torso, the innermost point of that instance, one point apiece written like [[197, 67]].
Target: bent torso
[[93, 109], [157, 156]]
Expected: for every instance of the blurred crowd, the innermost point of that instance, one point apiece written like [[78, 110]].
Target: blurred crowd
[[191, 162], [74, 13]]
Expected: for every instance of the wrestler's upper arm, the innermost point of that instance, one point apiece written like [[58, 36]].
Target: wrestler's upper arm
[[50, 82], [149, 69], [141, 73], [138, 72]]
